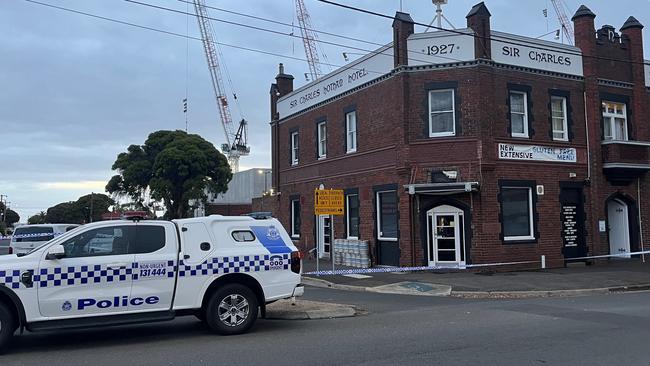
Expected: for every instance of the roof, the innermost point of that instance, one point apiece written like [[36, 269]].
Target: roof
[[478, 9], [583, 11], [631, 22]]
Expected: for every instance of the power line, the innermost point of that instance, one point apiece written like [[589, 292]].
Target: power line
[[170, 33], [504, 39], [277, 32], [284, 24]]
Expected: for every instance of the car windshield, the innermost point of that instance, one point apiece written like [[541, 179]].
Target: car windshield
[[33, 233]]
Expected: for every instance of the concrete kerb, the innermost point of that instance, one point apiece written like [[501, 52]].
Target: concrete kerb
[[317, 282]]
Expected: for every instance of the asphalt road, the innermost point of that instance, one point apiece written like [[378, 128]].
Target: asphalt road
[[398, 330]]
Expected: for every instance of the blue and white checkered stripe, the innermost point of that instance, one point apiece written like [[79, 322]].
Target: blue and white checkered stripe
[[96, 274], [234, 264]]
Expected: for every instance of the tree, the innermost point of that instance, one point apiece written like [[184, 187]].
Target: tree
[[11, 217], [174, 167], [79, 211], [39, 218]]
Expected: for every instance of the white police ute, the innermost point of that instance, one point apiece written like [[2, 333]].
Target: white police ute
[[224, 270]]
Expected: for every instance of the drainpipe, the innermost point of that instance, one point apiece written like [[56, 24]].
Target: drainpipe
[[587, 133], [638, 201]]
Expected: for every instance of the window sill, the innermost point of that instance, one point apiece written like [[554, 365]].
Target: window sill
[[442, 134], [508, 241], [351, 151], [294, 164], [520, 136], [387, 239], [322, 157], [560, 140], [352, 238], [295, 237]]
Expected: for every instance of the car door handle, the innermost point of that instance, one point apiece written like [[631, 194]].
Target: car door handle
[[116, 266]]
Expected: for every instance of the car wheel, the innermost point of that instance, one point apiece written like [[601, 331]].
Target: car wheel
[[7, 327], [232, 309]]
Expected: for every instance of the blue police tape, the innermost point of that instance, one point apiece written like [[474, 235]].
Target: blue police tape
[[21, 236], [453, 267]]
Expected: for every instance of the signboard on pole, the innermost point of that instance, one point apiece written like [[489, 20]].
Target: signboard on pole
[[328, 201]]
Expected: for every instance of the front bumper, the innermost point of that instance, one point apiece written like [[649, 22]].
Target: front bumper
[[298, 291]]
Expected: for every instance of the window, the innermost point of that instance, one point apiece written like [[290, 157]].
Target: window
[[559, 118], [519, 114], [615, 121], [322, 140], [351, 131], [387, 215], [113, 240], [295, 218], [352, 216], [33, 234], [294, 148], [442, 119], [148, 239], [517, 213], [243, 235]]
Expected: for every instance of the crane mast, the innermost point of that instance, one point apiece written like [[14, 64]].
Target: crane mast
[[567, 27], [236, 141], [309, 39]]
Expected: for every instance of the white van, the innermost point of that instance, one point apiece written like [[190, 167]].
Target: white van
[[27, 237]]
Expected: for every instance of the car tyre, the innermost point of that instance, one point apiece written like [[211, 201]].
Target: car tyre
[[7, 327], [232, 309]]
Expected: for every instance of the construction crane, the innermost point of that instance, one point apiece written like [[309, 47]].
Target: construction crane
[[236, 141], [309, 40], [565, 24]]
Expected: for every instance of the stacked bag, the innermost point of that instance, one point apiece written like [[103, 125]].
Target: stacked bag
[[351, 253]]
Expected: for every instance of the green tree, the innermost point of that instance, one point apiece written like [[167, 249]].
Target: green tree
[[174, 167], [64, 213], [11, 218], [95, 204], [39, 218]]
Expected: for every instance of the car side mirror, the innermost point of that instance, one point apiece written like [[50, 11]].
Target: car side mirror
[[55, 252]]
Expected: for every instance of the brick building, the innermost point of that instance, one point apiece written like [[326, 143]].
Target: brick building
[[472, 146]]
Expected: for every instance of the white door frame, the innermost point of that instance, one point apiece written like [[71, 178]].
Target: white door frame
[[324, 252], [445, 210], [619, 230]]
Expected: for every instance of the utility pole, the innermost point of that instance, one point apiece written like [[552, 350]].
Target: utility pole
[[91, 206], [4, 213]]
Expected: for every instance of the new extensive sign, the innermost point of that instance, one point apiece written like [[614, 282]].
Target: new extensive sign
[[537, 153], [536, 54], [441, 47], [366, 69]]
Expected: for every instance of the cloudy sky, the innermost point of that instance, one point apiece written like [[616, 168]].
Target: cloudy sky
[[75, 90]]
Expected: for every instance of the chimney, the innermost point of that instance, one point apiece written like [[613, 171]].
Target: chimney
[[283, 81], [478, 19], [632, 32], [403, 27], [585, 31]]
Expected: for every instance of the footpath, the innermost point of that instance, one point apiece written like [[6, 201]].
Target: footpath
[[616, 275]]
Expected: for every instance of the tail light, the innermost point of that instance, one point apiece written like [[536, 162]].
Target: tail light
[[296, 261]]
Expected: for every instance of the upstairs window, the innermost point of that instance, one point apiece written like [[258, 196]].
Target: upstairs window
[[442, 120], [615, 121], [322, 140], [559, 117], [351, 131], [519, 114], [294, 148]]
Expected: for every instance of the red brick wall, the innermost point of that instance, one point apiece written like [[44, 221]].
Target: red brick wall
[[227, 209]]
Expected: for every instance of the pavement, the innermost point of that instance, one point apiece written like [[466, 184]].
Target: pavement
[[605, 277], [300, 309]]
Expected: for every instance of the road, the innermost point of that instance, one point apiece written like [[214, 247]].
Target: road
[[398, 330]]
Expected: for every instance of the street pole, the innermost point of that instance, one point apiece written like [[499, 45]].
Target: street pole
[[4, 209]]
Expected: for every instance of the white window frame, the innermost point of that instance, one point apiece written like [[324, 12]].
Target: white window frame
[[322, 139], [351, 131], [347, 214], [453, 114], [294, 148], [526, 133], [378, 218], [565, 120], [612, 121], [294, 235], [530, 216]]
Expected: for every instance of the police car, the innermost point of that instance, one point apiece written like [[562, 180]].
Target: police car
[[224, 270]]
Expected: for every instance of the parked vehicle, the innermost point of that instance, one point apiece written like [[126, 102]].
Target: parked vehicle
[[4, 246], [27, 237], [223, 270]]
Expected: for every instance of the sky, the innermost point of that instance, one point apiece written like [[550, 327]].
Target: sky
[[75, 91]]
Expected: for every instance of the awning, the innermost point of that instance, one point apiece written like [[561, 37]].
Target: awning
[[442, 188]]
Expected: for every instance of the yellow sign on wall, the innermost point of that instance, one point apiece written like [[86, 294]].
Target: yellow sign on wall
[[328, 202]]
